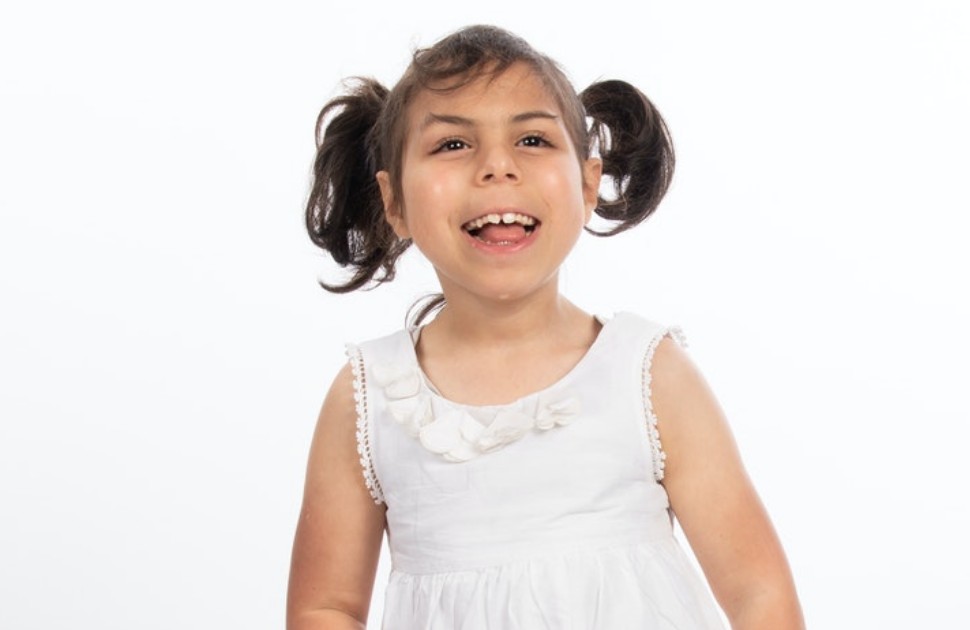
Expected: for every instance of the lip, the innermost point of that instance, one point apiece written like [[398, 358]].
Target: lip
[[500, 211], [498, 249]]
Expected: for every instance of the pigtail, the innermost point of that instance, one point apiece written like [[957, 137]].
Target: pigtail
[[636, 149], [345, 213]]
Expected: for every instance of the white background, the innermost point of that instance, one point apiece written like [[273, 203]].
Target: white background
[[165, 348]]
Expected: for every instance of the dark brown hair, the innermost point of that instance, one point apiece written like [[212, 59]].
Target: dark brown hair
[[365, 130]]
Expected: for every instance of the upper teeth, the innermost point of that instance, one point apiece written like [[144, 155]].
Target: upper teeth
[[495, 218]]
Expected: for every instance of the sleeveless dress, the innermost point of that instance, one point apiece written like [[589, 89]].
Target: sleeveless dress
[[543, 513]]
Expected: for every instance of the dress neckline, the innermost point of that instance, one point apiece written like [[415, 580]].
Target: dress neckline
[[428, 386], [460, 432]]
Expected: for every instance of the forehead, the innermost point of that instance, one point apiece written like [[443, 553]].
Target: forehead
[[519, 88]]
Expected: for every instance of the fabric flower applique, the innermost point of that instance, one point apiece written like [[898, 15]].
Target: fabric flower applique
[[451, 431]]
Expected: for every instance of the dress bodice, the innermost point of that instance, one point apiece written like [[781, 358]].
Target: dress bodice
[[471, 491]]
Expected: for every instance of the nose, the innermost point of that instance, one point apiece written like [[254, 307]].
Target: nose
[[498, 164]]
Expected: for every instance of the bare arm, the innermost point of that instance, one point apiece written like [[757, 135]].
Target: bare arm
[[338, 537], [715, 502]]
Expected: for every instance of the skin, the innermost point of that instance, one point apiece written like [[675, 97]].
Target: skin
[[499, 144], [494, 145]]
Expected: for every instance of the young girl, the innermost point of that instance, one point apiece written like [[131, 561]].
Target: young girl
[[524, 457]]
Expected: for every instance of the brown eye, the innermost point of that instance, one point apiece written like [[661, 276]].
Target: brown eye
[[451, 144], [534, 141]]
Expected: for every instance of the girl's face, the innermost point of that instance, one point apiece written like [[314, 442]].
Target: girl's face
[[493, 191]]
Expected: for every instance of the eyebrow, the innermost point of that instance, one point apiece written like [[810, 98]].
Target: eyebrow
[[460, 121]]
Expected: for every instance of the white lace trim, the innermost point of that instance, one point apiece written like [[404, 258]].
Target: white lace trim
[[656, 447], [363, 425]]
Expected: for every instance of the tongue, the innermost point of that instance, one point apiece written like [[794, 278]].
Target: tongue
[[506, 232]]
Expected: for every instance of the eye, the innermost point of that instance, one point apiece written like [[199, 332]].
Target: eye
[[450, 144], [535, 140]]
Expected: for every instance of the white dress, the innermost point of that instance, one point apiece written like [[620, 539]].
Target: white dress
[[543, 513]]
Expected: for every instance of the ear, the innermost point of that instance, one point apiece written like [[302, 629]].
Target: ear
[[592, 174], [393, 213]]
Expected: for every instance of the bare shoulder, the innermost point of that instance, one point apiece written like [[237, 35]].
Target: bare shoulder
[[673, 372], [689, 418], [338, 537], [339, 411], [715, 501], [334, 439]]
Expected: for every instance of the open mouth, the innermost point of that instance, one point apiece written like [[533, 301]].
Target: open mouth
[[504, 228]]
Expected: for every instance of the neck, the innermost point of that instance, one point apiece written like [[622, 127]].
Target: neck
[[485, 322]]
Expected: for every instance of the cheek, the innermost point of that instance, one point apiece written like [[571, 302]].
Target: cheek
[[432, 193], [564, 186], [429, 200]]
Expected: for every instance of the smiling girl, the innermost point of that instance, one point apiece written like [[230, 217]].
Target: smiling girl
[[524, 457]]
